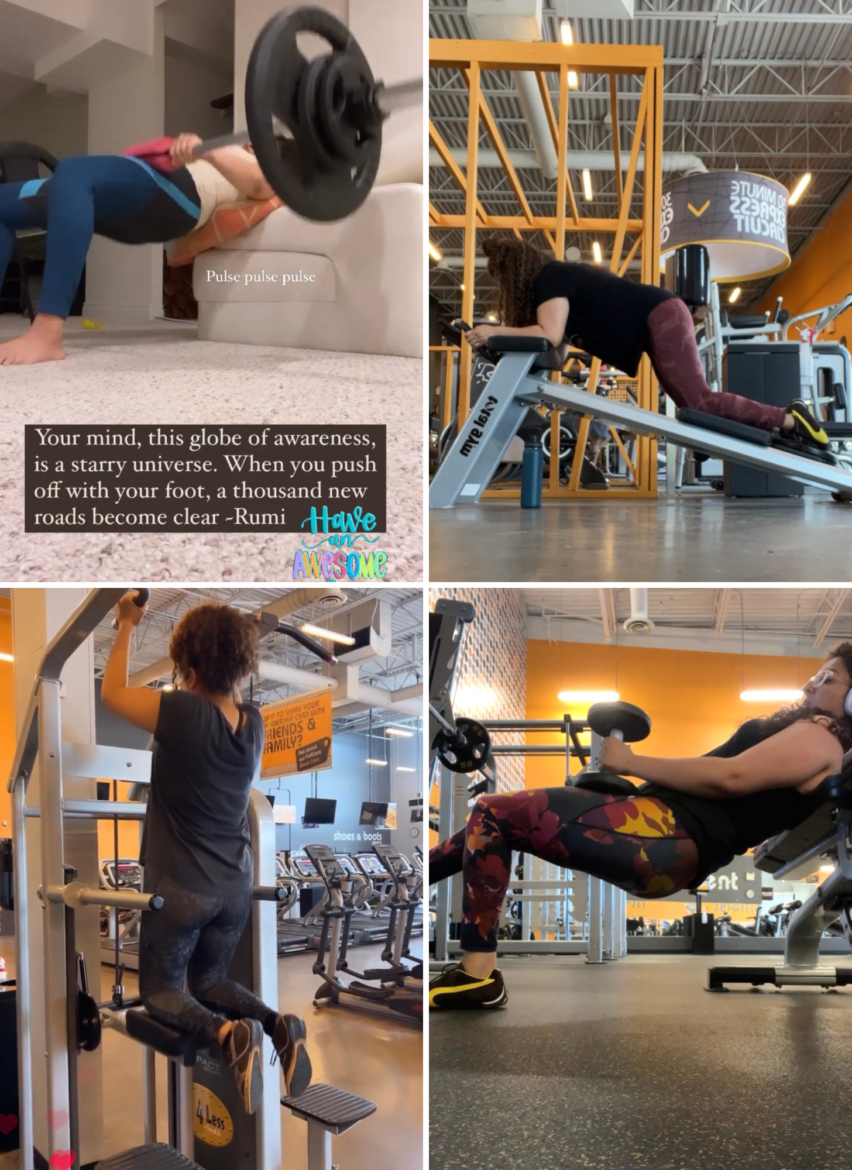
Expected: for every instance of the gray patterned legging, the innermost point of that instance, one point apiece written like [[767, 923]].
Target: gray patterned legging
[[671, 346], [191, 942]]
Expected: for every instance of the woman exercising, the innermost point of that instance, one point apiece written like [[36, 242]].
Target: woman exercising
[[196, 848], [123, 199], [617, 320], [692, 817]]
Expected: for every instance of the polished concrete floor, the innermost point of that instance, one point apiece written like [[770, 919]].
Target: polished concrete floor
[[361, 1053], [633, 1066], [698, 537]]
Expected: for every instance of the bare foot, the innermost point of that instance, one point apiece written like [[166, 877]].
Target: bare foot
[[35, 346]]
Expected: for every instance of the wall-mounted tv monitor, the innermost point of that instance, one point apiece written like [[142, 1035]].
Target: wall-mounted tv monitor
[[374, 813], [318, 812]]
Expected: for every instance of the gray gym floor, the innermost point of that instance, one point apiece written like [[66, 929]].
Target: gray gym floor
[[699, 537], [362, 1053], [633, 1065]]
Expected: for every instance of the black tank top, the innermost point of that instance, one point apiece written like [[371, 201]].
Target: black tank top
[[597, 299], [724, 828]]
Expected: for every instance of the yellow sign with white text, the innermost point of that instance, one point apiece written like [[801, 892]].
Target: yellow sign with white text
[[297, 735]]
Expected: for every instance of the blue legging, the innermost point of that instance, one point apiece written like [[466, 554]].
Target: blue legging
[[108, 194]]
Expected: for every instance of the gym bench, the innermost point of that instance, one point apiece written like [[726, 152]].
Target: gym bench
[[792, 854], [520, 380]]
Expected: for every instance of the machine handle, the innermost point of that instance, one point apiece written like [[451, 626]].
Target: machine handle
[[269, 893], [140, 600]]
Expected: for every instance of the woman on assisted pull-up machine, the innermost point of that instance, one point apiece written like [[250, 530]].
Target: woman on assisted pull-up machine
[[617, 320], [124, 199], [692, 816], [196, 845]]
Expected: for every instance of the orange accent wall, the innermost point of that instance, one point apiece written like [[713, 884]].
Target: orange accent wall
[[7, 717], [692, 697], [821, 274]]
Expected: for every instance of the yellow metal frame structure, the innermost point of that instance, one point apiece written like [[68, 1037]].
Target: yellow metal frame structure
[[471, 59]]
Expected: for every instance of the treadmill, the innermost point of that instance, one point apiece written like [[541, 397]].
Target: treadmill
[[292, 939]]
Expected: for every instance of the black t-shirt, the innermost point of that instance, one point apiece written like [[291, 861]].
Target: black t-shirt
[[196, 828], [607, 314], [722, 829]]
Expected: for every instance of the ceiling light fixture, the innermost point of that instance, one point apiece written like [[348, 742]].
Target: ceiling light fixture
[[329, 635]]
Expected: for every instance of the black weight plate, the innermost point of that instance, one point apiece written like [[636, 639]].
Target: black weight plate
[[88, 1022], [633, 722], [312, 171], [471, 750]]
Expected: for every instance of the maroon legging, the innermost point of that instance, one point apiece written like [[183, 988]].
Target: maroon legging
[[674, 355]]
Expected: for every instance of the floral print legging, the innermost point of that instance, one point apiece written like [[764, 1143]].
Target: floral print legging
[[632, 842]]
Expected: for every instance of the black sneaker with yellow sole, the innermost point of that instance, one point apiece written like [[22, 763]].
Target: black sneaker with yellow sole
[[806, 427], [454, 988]]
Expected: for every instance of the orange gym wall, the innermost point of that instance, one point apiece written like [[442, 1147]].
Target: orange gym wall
[[692, 697], [821, 274], [7, 717]]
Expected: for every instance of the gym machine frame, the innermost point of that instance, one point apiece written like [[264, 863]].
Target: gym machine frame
[[793, 854], [607, 935], [520, 380], [470, 58]]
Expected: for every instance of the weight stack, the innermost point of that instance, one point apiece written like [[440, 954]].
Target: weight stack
[[764, 371]]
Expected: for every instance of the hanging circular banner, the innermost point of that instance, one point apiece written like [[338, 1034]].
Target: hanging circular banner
[[741, 219]]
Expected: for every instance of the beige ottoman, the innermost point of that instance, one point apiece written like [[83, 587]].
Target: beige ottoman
[[354, 286]]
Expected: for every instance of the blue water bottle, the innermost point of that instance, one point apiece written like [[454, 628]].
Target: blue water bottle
[[532, 469]]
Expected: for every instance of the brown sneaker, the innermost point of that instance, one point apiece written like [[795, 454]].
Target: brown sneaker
[[243, 1051], [288, 1040]]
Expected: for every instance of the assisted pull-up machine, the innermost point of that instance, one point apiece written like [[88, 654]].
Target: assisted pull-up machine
[[521, 380], [60, 1023]]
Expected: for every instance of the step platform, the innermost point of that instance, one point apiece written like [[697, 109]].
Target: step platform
[[156, 1157], [333, 1109]]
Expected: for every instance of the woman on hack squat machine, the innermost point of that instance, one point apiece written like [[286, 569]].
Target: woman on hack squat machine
[[196, 844], [617, 320], [692, 817]]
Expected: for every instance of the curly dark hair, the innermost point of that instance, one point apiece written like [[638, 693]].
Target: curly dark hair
[[841, 726], [514, 265], [218, 643]]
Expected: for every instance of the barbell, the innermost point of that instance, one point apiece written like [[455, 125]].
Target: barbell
[[315, 125]]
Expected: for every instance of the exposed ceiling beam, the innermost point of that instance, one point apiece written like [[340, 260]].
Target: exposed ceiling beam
[[608, 618], [732, 17], [828, 620], [723, 597]]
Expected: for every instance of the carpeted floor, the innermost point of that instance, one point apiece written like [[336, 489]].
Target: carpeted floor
[[162, 375]]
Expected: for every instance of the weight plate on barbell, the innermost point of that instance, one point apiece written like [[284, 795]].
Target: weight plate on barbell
[[314, 125], [468, 750]]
